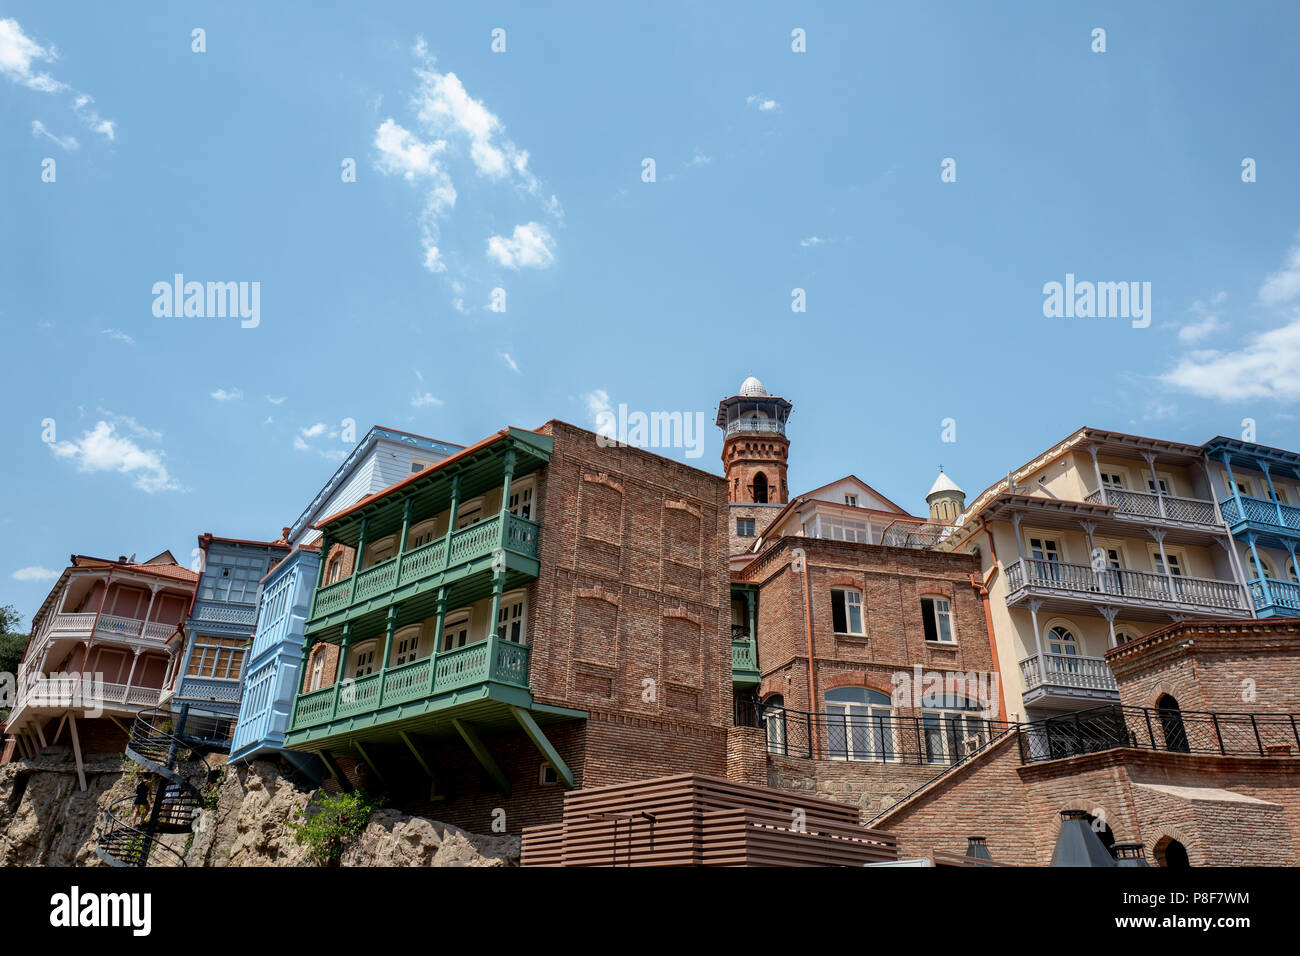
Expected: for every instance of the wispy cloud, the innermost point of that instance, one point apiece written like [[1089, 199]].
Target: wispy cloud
[[276, 401], [1206, 322], [764, 104], [1267, 365], [35, 573], [222, 395], [510, 363], [699, 158], [103, 449], [420, 401], [813, 241], [67, 143], [117, 335], [20, 61], [531, 246]]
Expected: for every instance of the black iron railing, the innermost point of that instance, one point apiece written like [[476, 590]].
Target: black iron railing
[[936, 737], [1171, 731]]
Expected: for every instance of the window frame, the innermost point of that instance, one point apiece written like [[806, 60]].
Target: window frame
[[454, 619], [509, 600], [862, 618], [934, 600]]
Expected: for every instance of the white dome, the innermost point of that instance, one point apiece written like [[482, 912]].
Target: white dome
[[944, 483], [752, 388]]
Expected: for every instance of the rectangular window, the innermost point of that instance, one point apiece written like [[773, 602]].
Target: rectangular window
[[365, 662], [846, 611], [510, 620], [217, 657], [745, 527], [851, 500], [521, 501], [1112, 480], [936, 612], [455, 634], [1163, 486], [1175, 565]]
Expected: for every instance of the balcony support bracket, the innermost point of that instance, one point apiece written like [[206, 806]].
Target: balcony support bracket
[[335, 772], [544, 746]]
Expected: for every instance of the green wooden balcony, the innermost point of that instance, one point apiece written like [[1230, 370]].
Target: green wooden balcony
[[437, 564], [430, 681], [744, 659]]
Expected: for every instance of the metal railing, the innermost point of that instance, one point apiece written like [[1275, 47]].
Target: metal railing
[[1147, 505], [1123, 583], [1170, 731], [121, 843], [929, 738], [767, 426]]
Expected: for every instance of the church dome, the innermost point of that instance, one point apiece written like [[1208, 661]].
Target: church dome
[[752, 388], [944, 483]]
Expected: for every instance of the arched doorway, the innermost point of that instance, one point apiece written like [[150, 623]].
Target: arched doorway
[[774, 725], [858, 725], [1170, 853], [760, 488], [1171, 724]]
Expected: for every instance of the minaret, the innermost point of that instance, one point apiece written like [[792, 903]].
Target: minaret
[[755, 450], [945, 499]]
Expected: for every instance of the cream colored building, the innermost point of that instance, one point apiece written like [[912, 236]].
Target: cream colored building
[[1099, 540]]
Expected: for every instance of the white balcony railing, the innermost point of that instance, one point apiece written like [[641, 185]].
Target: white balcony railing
[[1123, 584], [84, 691], [1168, 507], [1068, 670]]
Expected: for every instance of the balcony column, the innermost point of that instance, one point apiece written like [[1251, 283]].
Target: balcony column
[[131, 675], [439, 617], [1098, 562], [1265, 590], [153, 593], [750, 600], [359, 560], [345, 647], [1238, 570], [401, 544], [325, 545], [451, 520], [1236, 495], [1096, 470], [1038, 641], [1164, 561], [1209, 484], [390, 625], [1272, 493], [1109, 614], [1155, 481]]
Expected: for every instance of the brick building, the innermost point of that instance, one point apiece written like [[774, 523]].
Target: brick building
[[1200, 763], [536, 612]]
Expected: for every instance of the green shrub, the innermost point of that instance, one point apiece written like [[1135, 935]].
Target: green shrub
[[336, 821]]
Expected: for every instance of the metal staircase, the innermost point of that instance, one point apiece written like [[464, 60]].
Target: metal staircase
[[160, 741]]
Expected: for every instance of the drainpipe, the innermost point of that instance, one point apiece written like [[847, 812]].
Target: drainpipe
[[983, 592], [813, 734]]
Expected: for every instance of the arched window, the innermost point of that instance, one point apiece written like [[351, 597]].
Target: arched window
[[760, 488], [334, 569], [379, 552], [421, 534], [859, 724], [1171, 724], [1062, 650], [317, 676], [455, 632], [774, 724], [363, 659], [1254, 570], [952, 727]]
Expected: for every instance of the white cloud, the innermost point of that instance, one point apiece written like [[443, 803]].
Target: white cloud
[[1207, 322], [35, 573], [315, 431], [68, 143], [117, 335], [1267, 366], [598, 404], [19, 56], [1284, 285], [530, 247], [763, 104], [103, 449], [813, 241], [300, 445], [505, 357], [276, 401], [419, 401], [18, 53], [222, 395]]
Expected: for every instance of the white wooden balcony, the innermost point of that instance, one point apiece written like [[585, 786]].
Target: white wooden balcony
[[83, 691], [1067, 678], [1163, 508], [1121, 587]]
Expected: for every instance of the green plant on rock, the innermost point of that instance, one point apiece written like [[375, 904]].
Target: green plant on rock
[[212, 792], [336, 822], [130, 769]]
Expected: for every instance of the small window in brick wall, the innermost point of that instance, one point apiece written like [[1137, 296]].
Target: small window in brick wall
[[547, 775], [745, 527], [936, 612], [846, 611]]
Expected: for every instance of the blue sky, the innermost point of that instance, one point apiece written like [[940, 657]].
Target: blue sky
[[775, 170]]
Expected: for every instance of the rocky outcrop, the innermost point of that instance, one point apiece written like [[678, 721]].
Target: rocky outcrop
[[46, 820]]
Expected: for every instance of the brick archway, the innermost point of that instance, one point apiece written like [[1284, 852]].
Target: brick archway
[[1166, 835]]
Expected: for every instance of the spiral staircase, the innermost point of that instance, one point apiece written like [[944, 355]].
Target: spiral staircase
[[160, 741]]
